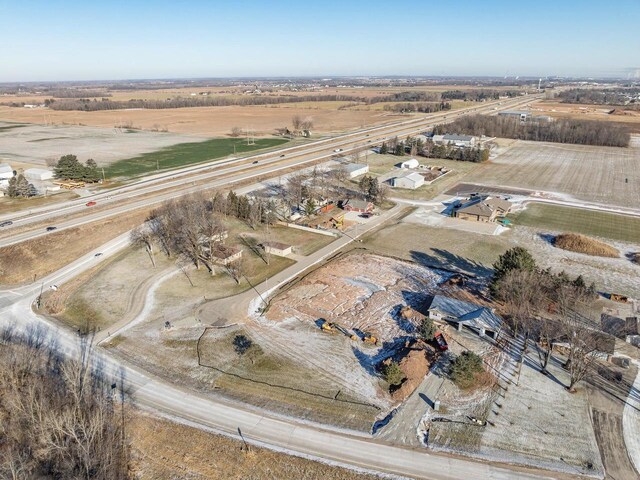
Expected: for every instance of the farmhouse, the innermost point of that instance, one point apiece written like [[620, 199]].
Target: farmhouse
[[410, 180], [356, 169], [482, 209], [224, 255], [412, 163], [278, 248], [353, 205], [479, 318], [6, 172], [38, 174], [455, 140]]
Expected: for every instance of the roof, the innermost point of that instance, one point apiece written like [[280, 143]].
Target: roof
[[477, 208], [223, 251], [458, 138], [411, 161], [413, 176], [38, 170], [5, 168], [353, 167], [355, 203], [470, 314], [514, 112], [500, 203], [276, 245]]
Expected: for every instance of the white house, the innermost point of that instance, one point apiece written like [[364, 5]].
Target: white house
[[481, 319], [6, 172], [38, 174], [412, 163], [410, 180], [277, 248], [455, 140], [356, 169]]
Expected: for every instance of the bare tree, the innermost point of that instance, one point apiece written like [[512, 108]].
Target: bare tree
[[236, 269], [296, 122], [143, 236], [236, 131]]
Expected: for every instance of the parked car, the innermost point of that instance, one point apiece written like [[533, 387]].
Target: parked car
[[50, 229], [6, 223], [91, 203], [441, 341]]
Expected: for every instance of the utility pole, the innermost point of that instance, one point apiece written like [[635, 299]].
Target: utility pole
[[104, 179]]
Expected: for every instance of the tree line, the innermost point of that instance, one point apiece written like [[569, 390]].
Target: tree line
[[548, 308], [599, 97], [59, 416], [582, 132], [478, 95], [70, 168], [416, 146], [418, 107]]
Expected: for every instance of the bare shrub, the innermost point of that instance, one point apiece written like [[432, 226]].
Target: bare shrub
[[581, 244]]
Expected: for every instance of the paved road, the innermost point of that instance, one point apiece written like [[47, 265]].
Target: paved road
[[218, 173]]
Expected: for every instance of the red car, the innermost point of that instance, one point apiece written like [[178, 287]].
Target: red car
[[441, 341], [91, 203]]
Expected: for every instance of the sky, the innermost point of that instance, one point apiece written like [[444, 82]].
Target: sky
[[91, 40]]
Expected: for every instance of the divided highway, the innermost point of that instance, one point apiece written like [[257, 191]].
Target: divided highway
[[160, 187]]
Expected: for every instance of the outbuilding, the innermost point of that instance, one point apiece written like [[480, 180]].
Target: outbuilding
[[40, 174], [411, 181], [412, 163], [278, 248], [356, 169], [224, 255], [6, 172]]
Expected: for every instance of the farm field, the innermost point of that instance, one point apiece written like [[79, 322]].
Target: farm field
[[187, 154], [630, 118], [605, 175], [32, 145], [208, 121], [588, 222]]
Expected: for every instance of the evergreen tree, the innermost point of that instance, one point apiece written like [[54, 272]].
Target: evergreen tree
[[19, 186], [384, 149], [516, 258]]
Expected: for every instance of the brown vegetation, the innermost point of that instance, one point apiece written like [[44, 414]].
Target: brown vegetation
[[575, 242], [164, 449], [59, 418], [41, 256]]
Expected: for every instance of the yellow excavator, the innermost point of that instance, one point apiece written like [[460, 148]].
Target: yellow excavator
[[369, 338], [332, 327]]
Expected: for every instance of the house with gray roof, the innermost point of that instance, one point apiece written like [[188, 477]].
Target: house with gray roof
[[455, 140], [481, 319]]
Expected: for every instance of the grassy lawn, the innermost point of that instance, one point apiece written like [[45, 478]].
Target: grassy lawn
[[186, 154], [587, 222]]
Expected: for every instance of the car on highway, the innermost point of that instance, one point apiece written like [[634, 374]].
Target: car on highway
[[255, 161], [91, 203], [53, 287], [99, 254], [338, 150], [282, 155], [50, 229], [6, 223]]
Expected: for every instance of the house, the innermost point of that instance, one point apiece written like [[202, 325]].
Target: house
[[412, 163], [353, 205], [482, 208], [218, 237], [409, 180], [278, 248], [40, 174], [6, 172], [224, 255], [455, 140], [356, 169], [479, 318]]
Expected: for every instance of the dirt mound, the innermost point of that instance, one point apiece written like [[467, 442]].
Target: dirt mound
[[414, 365], [582, 244], [635, 257], [620, 111]]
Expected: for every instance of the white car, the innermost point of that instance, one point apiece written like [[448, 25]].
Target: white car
[[338, 150]]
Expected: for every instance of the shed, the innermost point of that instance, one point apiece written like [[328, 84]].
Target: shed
[[410, 180], [356, 169], [278, 248], [225, 255], [6, 172], [38, 174], [412, 163]]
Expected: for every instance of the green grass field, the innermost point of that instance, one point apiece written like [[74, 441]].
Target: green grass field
[[185, 154], [587, 222]]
